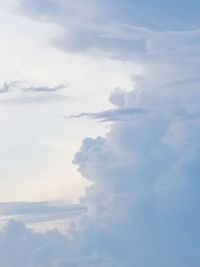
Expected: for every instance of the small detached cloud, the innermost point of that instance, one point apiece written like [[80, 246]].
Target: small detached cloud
[[118, 114], [7, 87], [44, 89], [17, 92]]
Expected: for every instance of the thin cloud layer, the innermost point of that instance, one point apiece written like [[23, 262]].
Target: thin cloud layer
[[17, 92], [38, 89], [118, 114], [101, 29], [36, 213]]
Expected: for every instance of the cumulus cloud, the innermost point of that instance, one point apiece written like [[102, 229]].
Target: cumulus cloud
[[145, 173], [143, 204], [118, 97], [21, 246]]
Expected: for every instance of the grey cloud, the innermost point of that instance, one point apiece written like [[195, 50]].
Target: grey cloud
[[38, 89], [118, 97], [40, 7], [34, 99], [183, 82], [90, 30], [97, 29], [20, 208], [118, 114], [143, 204], [8, 87], [40, 212], [22, 247], [145, 175], [32, 94], [19, 86]]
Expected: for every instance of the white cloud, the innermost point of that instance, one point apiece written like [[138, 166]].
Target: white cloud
[[143, 204]]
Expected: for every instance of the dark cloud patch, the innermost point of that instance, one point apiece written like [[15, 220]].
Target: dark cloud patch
[[118, 114], [7, 87], [15, 92], [43, 89], [103, 27]]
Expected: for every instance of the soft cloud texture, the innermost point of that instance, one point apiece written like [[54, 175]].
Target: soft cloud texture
[[143, 204], [119, 114], [102, 29], [18, 92], [145, 173], [40, 215]]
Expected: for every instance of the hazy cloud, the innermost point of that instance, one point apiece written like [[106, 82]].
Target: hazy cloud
[[16, 92], [143, 204], [118, 114], [41, 215], [38, 89], [8, 86]]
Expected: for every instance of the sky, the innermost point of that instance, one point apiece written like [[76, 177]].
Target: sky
[[99, 147]]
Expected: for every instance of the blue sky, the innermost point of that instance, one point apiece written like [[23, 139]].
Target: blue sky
[[99, 111]]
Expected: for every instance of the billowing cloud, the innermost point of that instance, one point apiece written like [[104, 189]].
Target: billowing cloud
[[143, 204], [145, 173], [21, 246], [101, 28], [118, 97]]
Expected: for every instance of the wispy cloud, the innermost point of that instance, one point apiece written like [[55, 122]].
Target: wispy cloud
[[40, 212], [118, 114], [16, 92], [8, 86], [38, 89]]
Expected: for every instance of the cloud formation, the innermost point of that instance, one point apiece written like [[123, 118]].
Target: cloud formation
[[17, 92], [36, 213], [118, 114], [101, 28], [143, 204], [145, 174], [38, 89]]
